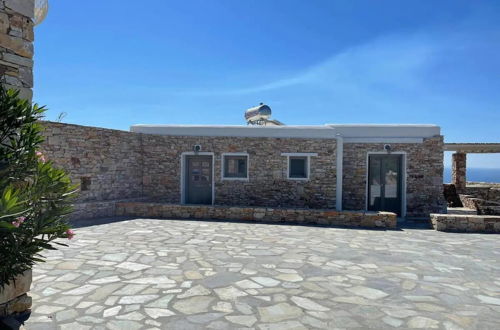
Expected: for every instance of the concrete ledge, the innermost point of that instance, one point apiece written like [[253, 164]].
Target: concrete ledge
[[314, 216], [466, 223]]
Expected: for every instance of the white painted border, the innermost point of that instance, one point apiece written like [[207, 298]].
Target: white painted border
[[339, 172], [365, 132], [183, 172], [384, 140], [300, 154], [308, 156], [403, 183], [223, 163]]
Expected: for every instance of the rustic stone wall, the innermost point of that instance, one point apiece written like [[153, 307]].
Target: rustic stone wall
[[484, 191], [16, 45], [267, 185], [106, 163], [469, 201], [482, 206], [466, 223], [296, 215], [424, 185], [116, 165], [13, 298]]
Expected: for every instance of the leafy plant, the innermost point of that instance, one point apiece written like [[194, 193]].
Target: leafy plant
[[35, 196]]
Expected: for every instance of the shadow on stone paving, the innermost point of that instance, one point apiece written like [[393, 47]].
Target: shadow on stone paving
[[102, 221]]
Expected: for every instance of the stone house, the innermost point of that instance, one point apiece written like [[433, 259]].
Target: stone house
[[396, 168]]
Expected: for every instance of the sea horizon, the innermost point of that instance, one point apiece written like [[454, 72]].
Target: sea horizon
[[491, 175]]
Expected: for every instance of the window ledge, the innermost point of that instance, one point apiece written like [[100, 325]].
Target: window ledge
[[234, 179], [299, 179]]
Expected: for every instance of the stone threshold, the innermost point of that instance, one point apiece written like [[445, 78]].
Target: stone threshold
[[264, 214]]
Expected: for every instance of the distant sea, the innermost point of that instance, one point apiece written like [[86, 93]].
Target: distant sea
[[477, 175]]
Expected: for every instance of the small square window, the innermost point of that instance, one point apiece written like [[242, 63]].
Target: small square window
[[297, 168], [85, 183], [235, 167]]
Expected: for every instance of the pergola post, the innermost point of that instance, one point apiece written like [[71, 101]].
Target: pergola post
[[459, 169]]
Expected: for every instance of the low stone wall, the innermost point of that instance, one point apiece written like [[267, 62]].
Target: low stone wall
[[466, 223], [487, 191], [469, 201], [13, 297], [94, 209], [482, 206], [315, 216]]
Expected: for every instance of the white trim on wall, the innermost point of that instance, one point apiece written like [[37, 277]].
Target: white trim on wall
[[223, 164], [307, 155], [404, 178], [339, 172], [384, 140], [366, 131], [183, 172]]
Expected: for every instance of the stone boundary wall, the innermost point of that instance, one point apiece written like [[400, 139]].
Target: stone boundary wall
[[482, 206], [96, 209], [107, 163], [484, 191], [466, 223], [16, 45], [300, 216]]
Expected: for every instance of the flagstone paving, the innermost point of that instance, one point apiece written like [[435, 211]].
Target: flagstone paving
[[169, 274]]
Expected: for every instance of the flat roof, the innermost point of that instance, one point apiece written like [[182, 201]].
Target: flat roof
[[330, 131]]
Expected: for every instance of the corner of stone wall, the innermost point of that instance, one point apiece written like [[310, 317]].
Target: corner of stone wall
[[16, 71], [16, 45]]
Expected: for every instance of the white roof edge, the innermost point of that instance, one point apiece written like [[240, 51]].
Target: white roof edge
[[234, 126], [326, 132], [381, 125]]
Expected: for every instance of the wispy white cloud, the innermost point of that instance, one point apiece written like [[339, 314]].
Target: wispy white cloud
[[384, 61]]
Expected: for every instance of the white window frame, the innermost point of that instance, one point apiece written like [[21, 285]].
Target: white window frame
[[223, 164], [307, 155]]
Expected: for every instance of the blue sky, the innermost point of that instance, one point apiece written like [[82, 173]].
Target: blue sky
[[115, 63]]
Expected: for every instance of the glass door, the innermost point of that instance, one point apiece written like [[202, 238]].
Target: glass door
[[384, 183]]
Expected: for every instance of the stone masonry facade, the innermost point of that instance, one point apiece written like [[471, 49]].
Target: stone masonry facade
[[424, 175], [113, 166], [16, 45], [267, 185]]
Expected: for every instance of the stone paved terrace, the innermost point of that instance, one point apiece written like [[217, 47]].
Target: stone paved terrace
[[170, 274]]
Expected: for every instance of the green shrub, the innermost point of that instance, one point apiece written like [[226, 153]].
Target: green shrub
[[34, 195]]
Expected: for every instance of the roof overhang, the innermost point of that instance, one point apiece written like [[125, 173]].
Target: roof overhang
[[351, 133]]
